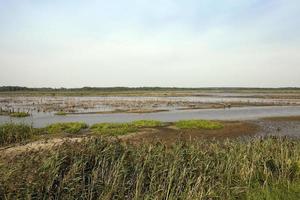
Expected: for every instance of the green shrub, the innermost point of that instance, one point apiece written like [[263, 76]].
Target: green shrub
[[68, 127], [12, 133], [198, 124]]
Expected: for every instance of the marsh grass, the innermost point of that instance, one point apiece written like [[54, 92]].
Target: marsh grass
[[102, 169], [147, 123], [115, 129], [198, 124], [68, 127], [19, 114], [61, 113], [14, 133]]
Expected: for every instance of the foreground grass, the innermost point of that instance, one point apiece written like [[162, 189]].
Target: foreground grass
[[68, 127], [198, 124], [14, 133], [102, 169]]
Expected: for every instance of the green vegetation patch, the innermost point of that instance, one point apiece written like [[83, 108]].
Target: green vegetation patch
[[13, 133], [207, 169], [61, 113], [115, 129], [68, 127], [198, 124], [19, 114], [146, 123]]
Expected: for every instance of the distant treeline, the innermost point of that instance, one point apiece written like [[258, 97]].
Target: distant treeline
[[103, 89]]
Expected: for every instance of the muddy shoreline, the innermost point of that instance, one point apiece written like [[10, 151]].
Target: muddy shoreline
[[288, 126]]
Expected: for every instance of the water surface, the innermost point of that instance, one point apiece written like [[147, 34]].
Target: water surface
[[243, 113]]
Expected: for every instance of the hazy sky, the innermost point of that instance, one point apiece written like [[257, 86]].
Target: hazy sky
[[182, 43]]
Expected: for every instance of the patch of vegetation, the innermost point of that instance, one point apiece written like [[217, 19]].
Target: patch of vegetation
[[13, 133], [113, 129], [19, 114], [146, 123], [3, 112], [198, 124], [61, 113], [68, 127], [209, 169]]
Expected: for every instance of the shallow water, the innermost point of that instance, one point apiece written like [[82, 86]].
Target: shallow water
[[244, 113], [35, 105]]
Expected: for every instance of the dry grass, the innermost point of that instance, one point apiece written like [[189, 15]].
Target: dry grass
[[102, 169]]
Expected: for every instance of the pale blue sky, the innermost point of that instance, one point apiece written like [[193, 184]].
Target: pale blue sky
[[191, 43]]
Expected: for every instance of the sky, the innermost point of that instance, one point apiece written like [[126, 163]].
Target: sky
[[135, 43]]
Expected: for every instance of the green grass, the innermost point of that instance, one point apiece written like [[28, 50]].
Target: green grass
[[276, 192], [61, 113], [146, 123], [208, 169], [115, 129], [19, 114], [14, 133], [198, 124], [68, 127]]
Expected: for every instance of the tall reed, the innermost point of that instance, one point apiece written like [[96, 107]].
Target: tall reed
[[208, 169]]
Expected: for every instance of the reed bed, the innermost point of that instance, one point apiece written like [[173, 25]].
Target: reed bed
[[14, 133], [208, 169]]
